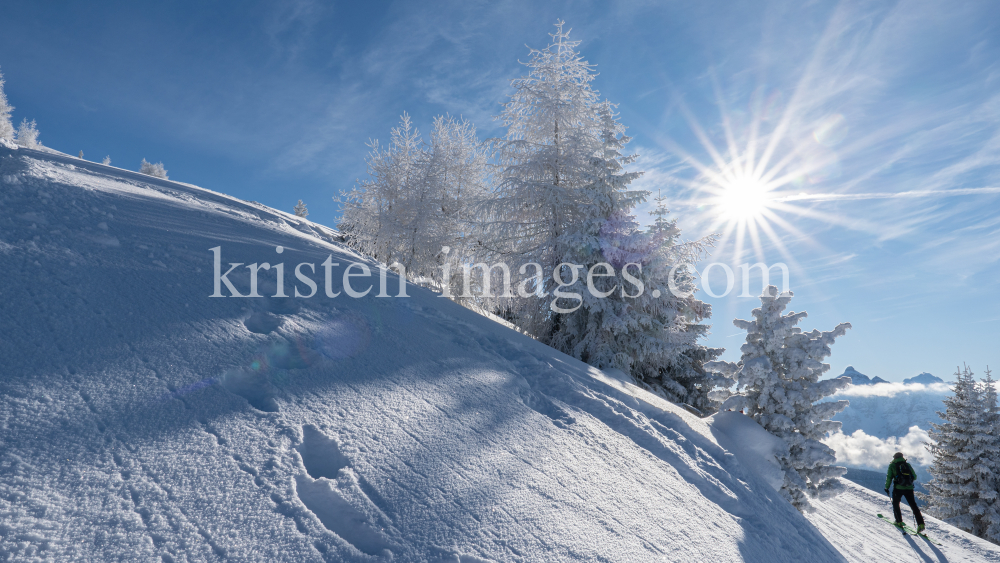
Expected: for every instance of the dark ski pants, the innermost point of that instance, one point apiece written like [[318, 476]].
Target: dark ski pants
[[897, 494]]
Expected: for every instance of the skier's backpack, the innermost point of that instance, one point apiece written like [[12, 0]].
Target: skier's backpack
[[904, 476]]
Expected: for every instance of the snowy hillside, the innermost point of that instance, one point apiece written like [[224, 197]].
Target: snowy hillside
[[143, 420]]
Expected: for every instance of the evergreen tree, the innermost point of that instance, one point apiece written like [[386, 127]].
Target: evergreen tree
[[985, 511], [966, 466], [6, 126], [300, 209], [683, 377], [27, 134], [948, 493], [157, 170], [778, 385]]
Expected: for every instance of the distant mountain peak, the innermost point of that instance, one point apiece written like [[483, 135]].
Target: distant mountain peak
[[925, 378], [859, 378]]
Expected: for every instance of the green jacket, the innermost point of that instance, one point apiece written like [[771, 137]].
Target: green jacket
[[891, 474]]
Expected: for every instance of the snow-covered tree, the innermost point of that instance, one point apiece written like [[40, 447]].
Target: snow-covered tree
[[651, 334], [669, 274], [777, 381], [457, 177], [106, 161], [149, 168], [300, 209], [985, 511], [949, 495], [372, 211], [416, 199], [564, 197], [540, 210], [27, 134], [966, 466], [6, 126]]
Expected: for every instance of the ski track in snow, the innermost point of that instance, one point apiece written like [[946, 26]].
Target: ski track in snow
[[144, 421]]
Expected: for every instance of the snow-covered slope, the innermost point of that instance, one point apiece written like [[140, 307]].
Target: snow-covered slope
[[848, 521], [143, 420]]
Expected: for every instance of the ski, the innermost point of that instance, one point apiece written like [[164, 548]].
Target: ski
[[891, 523], [907, 530], [916, 533]]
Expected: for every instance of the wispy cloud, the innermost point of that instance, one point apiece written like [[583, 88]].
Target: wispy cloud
[[891, 195]]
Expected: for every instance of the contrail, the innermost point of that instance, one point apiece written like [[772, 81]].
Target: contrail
[[893, 195]]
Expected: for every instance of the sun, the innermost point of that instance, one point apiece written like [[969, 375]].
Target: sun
[[742, 199]]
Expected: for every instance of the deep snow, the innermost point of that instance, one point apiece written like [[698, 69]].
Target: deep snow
[[143, 420]]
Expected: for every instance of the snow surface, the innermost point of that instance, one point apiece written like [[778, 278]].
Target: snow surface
[[756, 448], [143, 420], [848, 521]]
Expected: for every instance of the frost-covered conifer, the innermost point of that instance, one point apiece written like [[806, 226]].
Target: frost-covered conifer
[[966, 466], [651, 334], [457, 175], [564, 197], [6, 126], [416, 199], [149, 168], [778, 385], [106, 161], [300, 209], [985, 511], [539, 210], [950, 470], [372, 212], [27, 134]]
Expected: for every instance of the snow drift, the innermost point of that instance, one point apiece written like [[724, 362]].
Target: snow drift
[[143, 420]]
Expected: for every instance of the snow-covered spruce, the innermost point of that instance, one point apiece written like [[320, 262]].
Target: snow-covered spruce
[[6, 126], [156, 170], [27, 134], [777, 381], [301, 210], [966, 467]]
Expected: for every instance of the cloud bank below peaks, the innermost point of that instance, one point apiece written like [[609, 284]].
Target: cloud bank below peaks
[[892, 390], [869, 452]]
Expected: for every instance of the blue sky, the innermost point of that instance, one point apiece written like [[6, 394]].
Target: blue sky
[[886, 117]]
